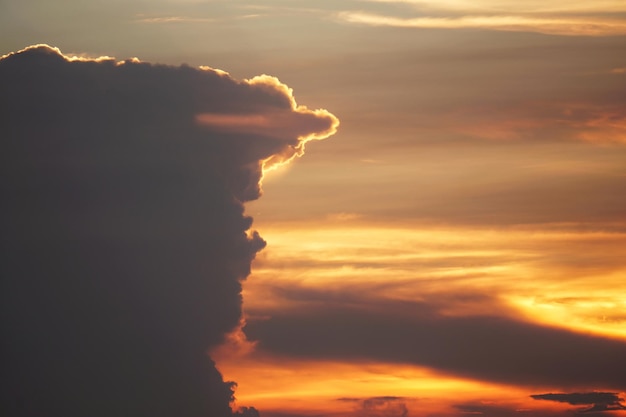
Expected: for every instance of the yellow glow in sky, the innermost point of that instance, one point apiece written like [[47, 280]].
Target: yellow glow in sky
[[565, 278]]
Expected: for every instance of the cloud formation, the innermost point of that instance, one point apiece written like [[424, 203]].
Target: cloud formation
[[385, 406], [482, 347], [546, 25], [124, 239], [552, 18], [597, 401], [600, 122], [508, 6]]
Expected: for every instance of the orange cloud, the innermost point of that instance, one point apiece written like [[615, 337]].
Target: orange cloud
[[599, 123]]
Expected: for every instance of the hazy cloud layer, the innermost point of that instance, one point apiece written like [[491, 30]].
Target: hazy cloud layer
[[124, 241], [560, 26], [489, 348], [552, 17]]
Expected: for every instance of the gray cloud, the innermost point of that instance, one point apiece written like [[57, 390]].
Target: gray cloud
[[385, 406], [597, 401], [505, 410], [124, 239], [498, 349]]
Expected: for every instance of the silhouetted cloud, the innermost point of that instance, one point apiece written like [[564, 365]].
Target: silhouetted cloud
[[499, 349], [597, 401], [247, 412], [124, 239], [385, 406], [504, 409]]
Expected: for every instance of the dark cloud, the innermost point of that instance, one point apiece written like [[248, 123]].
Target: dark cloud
[[385, 406], [498, 349], [124, 239], [298, 414], [597, 401], [247, 412], [498, 409]]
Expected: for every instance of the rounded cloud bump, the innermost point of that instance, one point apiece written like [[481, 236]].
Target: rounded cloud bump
[[256, 123]]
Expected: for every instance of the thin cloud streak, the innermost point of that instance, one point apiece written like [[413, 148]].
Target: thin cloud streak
[[174, 19], [532, 6], [511, 23], [602, 122]]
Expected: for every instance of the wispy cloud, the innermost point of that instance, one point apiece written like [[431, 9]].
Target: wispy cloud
[[591, 122], [507, 6], [189, 19], [568, 26], [173, 19]]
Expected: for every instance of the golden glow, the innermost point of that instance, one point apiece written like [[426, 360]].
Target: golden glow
[[278, 160], [315, 387], [558, 277], [273, 83], [416, 111], [215, 70], [292, 385]]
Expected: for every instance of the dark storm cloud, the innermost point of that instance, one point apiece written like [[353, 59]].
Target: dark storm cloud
[[124, 239], [597, 401], [482, 347]]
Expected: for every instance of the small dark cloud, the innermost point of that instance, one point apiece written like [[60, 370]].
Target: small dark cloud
[[247, 412], [123, 235], [384, 406], [596, 401], [491, 410]]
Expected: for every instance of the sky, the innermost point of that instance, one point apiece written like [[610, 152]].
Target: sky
[[347, 208]]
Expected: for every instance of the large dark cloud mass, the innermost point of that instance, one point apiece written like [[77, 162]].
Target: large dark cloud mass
[[124, 239], [483, 347]]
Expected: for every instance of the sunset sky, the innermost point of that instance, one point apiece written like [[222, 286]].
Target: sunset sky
[[451, 242]]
